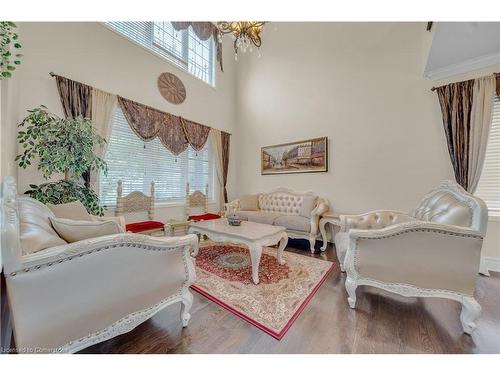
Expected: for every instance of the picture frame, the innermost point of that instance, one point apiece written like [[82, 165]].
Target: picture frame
[[307, 156]]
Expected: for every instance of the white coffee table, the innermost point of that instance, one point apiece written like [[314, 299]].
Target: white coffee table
[[253, 235]]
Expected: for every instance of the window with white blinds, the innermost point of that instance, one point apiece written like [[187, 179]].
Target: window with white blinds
[[489, 184], [182, 48], [137, 163]]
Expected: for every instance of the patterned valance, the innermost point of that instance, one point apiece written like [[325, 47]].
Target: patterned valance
[[203, 30], [196, 134], [174, 132]]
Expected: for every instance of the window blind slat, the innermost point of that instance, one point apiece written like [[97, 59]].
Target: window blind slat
[[488, 187]]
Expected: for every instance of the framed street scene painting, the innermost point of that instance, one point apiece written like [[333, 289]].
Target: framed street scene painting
[[297, 157]]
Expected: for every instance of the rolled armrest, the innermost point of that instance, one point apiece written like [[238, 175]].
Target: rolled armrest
[[80, 248], [232, 206], [373, 220], [322, 206]]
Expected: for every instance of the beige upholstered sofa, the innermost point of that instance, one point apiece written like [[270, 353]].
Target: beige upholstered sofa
[[67, 296], [433, 252], [298, 212]]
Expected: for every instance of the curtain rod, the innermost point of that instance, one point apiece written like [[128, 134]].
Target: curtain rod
[[433, 88], [52, 74]]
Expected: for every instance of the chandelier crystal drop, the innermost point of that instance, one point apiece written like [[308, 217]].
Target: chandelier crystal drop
[[245, 34]]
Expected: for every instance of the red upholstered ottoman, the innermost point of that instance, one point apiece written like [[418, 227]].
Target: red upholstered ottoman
[[144, 226]]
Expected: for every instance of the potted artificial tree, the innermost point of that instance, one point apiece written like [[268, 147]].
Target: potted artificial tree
[[61, 146]]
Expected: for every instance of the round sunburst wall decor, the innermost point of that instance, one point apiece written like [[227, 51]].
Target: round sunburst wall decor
[[171, 88]]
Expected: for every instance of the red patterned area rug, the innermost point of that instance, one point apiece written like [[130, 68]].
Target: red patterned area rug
[[223, 275]]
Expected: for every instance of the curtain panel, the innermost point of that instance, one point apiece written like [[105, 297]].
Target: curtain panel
[[76, 100], [481, 114], [455, 100], [497, 76], [103, 107], [225, 141], [216, 138], [75, 97]]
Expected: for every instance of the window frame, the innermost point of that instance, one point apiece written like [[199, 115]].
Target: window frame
[[172, 59], [185, 47]]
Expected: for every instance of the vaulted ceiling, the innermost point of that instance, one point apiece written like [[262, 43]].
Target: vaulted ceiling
[[459, 47]]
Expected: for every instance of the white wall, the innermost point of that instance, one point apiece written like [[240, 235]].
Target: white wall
[[92, 54], [359, 84]]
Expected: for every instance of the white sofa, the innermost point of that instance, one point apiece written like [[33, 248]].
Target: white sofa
[[298, 212], [68, 296], [433, 252]]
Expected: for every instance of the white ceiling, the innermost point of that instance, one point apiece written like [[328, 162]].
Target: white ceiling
[[459, 47]]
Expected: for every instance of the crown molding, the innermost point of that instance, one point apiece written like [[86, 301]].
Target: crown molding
[[463, 67]]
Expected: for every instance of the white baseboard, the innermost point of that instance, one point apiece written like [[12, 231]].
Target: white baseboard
[[489, 264]]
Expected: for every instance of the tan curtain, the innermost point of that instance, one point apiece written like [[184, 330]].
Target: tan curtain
[[75, 97], [225, 141], [455, 100], [481, 112], [216, 138], [103, 109]]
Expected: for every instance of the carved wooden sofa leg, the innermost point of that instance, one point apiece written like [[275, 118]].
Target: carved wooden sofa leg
[[470, 312], [312, 243], [350, 287], [187, 302]]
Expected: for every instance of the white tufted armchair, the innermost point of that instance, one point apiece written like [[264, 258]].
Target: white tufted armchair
[[434, 252]]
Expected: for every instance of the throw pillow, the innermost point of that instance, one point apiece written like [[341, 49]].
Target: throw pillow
[[308, 204], [249, 202], [73, 210], [77, 230], [36, 232]]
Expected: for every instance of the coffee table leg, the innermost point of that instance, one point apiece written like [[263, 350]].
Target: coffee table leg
[[255, 254], [281, 248]]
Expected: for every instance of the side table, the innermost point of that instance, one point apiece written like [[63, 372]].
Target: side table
[[176, 227], [333, 219]]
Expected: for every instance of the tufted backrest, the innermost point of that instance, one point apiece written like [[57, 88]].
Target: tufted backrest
[[376, 220], [451, 204], [288, 203]]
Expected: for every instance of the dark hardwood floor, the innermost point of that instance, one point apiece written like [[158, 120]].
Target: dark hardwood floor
[[382, 323]]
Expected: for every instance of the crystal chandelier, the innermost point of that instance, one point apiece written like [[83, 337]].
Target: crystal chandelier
[[245, 34]]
